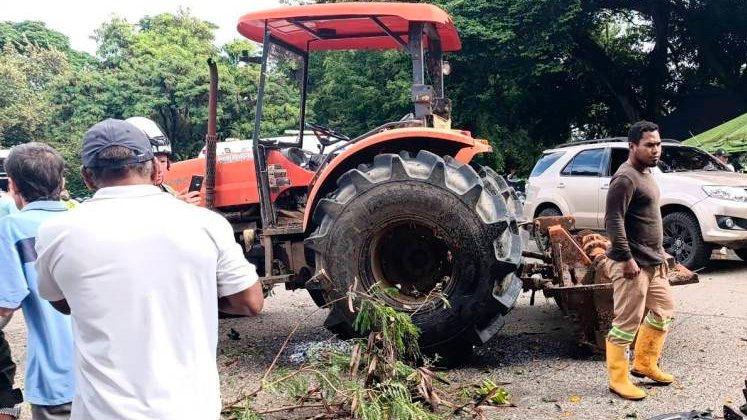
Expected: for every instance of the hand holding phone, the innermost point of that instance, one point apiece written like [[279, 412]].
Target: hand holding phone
[[196, 183]]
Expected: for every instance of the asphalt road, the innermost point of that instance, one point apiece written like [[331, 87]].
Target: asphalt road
[[706, 351], [534, 354]]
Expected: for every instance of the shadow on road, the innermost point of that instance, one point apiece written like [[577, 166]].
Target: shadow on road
[[532, 333], [723, 266]]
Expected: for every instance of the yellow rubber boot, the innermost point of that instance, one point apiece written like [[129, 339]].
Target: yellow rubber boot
[[648, 347], [617, 367]]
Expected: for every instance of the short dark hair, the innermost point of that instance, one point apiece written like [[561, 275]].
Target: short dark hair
[[36, 170], [105, 175], [635, 134]]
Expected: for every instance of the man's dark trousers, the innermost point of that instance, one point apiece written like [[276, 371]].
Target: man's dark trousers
[[9, 397]]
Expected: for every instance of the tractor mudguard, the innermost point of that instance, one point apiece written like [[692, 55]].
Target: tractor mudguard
[[456, 143]]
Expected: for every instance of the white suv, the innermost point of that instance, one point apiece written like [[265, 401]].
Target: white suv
[[702, 203]]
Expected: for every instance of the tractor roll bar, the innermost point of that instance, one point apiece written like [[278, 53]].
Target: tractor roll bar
[[424, 96], [260, 162], [211, 137], [304, 86]]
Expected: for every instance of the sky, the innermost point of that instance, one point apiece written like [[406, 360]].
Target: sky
[[78, 19]]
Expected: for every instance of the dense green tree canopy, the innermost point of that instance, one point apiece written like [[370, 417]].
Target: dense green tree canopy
[[155, 68], [532, 73], [25, 91], [28, 35]]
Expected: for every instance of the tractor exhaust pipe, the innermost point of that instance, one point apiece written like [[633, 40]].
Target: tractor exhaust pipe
[[211, 138]]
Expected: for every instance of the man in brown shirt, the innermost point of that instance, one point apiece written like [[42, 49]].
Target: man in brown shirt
[[636, 266]]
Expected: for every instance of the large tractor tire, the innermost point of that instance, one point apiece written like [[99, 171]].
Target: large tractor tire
[[432, 228]]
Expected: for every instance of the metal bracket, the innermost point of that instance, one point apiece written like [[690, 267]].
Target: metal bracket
[[422, 97]]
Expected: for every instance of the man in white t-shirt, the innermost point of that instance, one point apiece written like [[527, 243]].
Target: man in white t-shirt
[[143, 276]]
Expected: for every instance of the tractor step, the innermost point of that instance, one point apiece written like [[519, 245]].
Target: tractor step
[[273, 280], [289, 229]]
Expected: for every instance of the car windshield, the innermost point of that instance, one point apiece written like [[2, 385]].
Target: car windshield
[[685, 159]]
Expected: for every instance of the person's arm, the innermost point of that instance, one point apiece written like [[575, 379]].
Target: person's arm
[[247, 302], [239, 291], [7, 311], [13, 285], [618, 198], [48, 288]]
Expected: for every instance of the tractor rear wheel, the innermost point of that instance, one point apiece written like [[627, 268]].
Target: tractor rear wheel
[[441, 238]]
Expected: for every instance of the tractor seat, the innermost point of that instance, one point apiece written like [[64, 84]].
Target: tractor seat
[[295, 155], [303, 158]]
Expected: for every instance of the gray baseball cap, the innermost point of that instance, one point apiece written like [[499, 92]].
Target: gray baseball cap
[[112, 132]]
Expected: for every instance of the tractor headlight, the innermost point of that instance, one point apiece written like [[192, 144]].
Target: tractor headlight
[[726, 193]]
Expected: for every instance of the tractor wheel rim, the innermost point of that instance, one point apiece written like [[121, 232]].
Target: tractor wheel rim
[[412, 257]]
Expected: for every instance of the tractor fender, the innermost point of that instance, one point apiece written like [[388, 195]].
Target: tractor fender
[[456, 143]]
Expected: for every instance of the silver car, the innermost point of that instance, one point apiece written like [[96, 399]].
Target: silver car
[[703, 204]]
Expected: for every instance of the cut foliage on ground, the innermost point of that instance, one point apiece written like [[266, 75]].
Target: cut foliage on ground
[[381, 375]]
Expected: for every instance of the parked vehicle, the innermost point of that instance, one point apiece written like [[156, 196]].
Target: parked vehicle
[[702, 203]]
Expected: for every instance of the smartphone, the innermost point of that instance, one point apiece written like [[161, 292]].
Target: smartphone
[[196, 183]]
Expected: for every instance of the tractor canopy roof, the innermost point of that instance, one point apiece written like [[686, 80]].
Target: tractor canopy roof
[[348, 26]]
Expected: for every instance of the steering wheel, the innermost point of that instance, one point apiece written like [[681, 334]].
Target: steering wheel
[[326, 135]]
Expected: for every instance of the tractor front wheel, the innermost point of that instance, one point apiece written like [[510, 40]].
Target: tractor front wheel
[[440, 239]]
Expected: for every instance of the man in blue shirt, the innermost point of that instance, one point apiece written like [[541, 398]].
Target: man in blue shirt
[[35, 180], [7, 204], [9, 397]]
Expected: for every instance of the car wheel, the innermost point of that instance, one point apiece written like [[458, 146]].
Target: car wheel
[[549, 212], [683, 240], [542, 241]]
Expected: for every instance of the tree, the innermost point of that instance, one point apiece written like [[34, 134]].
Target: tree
[[533, 73], [158, 69], [355, 91], [37, 65], [28, 35], [24, 93]]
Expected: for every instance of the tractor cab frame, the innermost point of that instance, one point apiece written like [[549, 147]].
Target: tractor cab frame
[[422, 31]]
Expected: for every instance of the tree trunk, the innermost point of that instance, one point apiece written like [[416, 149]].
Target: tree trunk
[[616, 79], [656, 70]]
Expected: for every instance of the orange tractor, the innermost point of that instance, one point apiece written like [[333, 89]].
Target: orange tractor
[[402, 206]]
